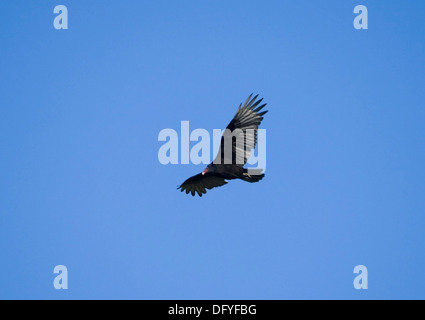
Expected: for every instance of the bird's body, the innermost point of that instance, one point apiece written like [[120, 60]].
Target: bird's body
[[237, 142]]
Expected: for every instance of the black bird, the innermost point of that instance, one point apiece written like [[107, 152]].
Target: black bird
[[228, 164]]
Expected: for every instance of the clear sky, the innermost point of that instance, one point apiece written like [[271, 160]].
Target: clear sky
[[81, 184]]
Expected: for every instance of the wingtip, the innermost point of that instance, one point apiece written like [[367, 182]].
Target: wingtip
[[260, 107], [247, 100]]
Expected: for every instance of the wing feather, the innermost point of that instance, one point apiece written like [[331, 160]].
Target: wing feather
[[199, 183], [248, 117]]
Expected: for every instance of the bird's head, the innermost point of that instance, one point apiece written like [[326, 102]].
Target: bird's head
[[209, 168]]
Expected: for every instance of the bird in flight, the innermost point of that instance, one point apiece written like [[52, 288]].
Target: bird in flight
[[237, 142]]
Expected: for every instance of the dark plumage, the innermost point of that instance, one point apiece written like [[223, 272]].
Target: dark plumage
[[229, 163]]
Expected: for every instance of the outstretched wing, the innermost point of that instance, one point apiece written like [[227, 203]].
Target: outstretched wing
[[200, 183], [243, 132]]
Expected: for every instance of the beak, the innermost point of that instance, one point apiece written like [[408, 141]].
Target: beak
[[205, 171]]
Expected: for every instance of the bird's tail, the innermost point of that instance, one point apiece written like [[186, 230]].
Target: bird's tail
[[254, 175]]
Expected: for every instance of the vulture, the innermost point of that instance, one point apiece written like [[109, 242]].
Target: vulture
[[237, 142]]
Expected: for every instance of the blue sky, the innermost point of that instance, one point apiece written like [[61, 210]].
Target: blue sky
[[81, 184]]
